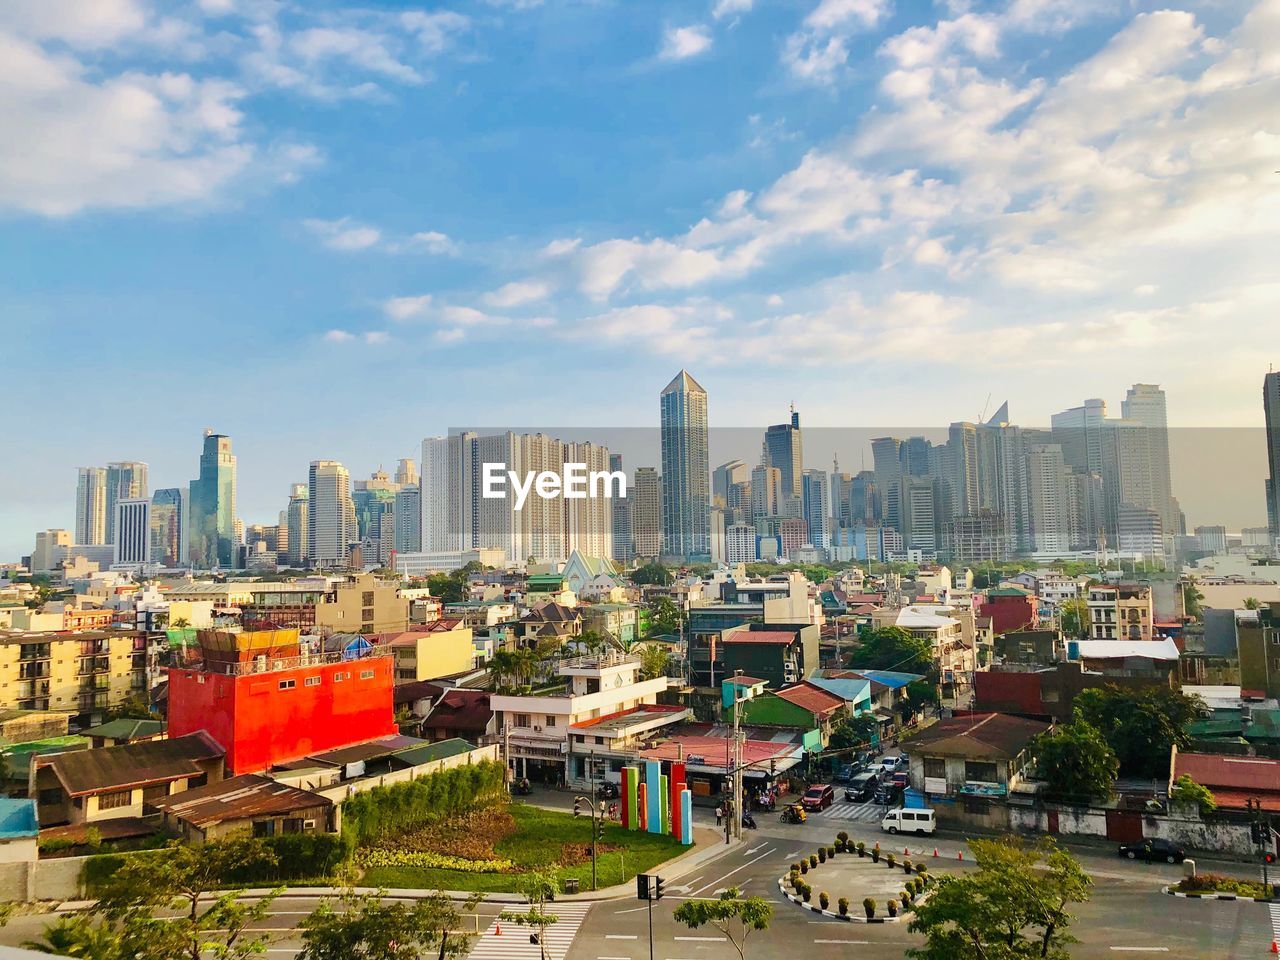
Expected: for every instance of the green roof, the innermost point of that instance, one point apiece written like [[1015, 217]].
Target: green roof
[[126, 729], [20, 754], [1008, 592], [546, 580], [434, 751]]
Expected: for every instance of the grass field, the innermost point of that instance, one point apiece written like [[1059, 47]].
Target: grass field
[[539, 842]]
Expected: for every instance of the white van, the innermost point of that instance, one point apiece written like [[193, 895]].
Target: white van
[[909, 820]]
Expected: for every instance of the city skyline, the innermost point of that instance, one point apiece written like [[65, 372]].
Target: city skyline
[[735, 188]]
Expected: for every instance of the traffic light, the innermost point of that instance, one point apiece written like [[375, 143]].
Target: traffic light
[[657, 888], [577, 807], [642, 886], [1269, 857], [1256, 833]]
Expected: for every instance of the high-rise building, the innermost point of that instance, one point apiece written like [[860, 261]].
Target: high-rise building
[[919, 513], [133, 531], [740, 543], [766, 492], [169, 527], [686, 482], [962, 444], [1271, 408], [409, 518], [979, 538], [211, 508], [1079, 431], [297, 519], [1145, 404], [783, 449], [52, 547], [126, 480], [406, 472], [888, 474], [623, 550], [331, 516], [91, 506], [447, 493], [1049, 499], [817, 509], [723, 479], [646, 513]]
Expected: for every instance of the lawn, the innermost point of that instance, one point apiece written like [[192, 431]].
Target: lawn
[[540, 840]]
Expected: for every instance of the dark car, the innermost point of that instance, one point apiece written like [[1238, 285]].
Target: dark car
[[862, 787], [818, 797], [608, 791], [1152, 850], [888, 795], [845, 773]]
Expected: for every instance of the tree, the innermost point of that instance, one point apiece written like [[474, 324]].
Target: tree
[[1186, 790], [181, 880], [1014, 906], [372, 928], [1141, 726], [132, 707], [653, 661], [665, 617], [538, 887], [1077, 762], [1191, 597], [1252, 603], [733, 915], [652, 574], [893, 648], [854, 732], [1074, 614]]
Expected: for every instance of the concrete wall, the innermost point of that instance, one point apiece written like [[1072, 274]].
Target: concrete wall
[[58, 879], [1182, 827]]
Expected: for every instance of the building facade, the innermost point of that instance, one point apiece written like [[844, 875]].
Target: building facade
[[211, 506], [686, 489]]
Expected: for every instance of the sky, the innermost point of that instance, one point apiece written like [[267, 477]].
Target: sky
[[330, 231]]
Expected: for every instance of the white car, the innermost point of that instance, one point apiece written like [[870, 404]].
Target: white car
[[893, 763]]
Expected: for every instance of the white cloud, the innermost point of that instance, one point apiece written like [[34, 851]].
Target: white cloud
[[339, 336], [517, 293], [813, 59], [85, 24], [360, 48], [831, 15], [407, 308], [431, 241], [343, 234], [727, 8], [375, 337], [681, 43]]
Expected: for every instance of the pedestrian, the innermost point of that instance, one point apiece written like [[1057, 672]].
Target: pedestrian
[[719, 815]]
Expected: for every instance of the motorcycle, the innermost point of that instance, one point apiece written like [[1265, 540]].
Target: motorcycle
[[766, 801], [749, 821], [608, 791], [794, 814], [522, 788]]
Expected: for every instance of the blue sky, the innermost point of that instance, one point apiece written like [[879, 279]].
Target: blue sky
[[331, 230]]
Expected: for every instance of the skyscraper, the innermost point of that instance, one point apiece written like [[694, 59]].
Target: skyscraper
[[169, 527], [723, 479], [212, 505], [1145, 404], [133, 531], [331, 517], [817, 509], [783, 449], [297, 517], [126, 480], [686, 490], [408, 515], [646, 513], [91, 506], [1271, 408], [623, 550], [406, 472], [1049, 499]]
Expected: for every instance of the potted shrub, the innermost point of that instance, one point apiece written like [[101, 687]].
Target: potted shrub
[[891, 860], [893, 907], [843, 904], [822, 854], [804, 866], [862, 849], [813, 860], [842, 841], [807, 892], [869, 905], [831, 852], [795, 867], [906, 866], [875, 854], [906, 900], [824, 901]]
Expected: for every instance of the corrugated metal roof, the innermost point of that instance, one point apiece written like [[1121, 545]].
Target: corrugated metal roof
[[239, 798], [83, 772]]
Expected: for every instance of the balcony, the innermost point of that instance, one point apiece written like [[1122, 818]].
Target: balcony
[[34, 651], [33, 671]]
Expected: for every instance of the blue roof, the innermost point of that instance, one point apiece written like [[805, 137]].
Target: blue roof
[[850, 691], [890, 678], [17, 819]]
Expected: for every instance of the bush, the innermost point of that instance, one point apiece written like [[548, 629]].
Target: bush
[[875, 855], [804, 866], [795, 867], [843, 904], [806, 892], [1217, 883], [831, 852], [906, 866], [906, 901], [822, 854], [405, 806], [824, 901], [813, 859], [862, 849], [893, 907], [869, 905], [922, 869], [843, 837], [891, 860]]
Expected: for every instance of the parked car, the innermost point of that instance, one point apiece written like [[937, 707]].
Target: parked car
[[887, 795], [818, 797], [899, 779], [909, 820], [1153, 850], [892, 763], [862, 787], [846, 772]]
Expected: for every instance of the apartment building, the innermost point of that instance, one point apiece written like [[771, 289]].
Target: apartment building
[[83, 673], [1123, 612]]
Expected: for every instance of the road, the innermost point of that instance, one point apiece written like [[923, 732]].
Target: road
[[1127, 916]]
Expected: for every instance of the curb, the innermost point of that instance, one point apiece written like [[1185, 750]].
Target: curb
[[847, 918], [1213, 896]]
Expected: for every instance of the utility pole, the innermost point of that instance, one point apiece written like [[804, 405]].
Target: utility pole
[[739, 808]]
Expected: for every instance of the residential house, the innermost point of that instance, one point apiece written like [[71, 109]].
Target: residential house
[[116, 733], [461, 713], [614, 621], [1010, 608], [982, 755], [1048, 690], [1124, 611], [1233, 781], [549, 622], [441, 649], [579, 570], [245, 806], [802, 706], [778, 653]]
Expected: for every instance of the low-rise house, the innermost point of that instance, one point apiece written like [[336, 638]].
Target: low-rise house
[[19, 831], [767, 754], [616, 621], [981, 755], [115, 733], [1124, 611], [1010, 608], [1125, 657], [802, 706], [84, 786], [460, 713], [1048, 691], [579, 570], [1233, 781], [782, 654], [550, 621], [248, 805], [441, 649]]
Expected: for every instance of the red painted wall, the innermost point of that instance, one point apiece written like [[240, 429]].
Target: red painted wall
[[1007, 692], [1010, 613], [260, 724]]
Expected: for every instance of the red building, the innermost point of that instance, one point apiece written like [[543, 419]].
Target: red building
[[1010, 608], [267, 701]]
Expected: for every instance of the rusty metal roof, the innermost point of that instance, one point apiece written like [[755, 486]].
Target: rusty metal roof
[[131, 765], [248, 795]]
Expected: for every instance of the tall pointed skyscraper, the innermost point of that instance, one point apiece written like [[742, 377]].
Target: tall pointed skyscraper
[[686, 472], [1271, 407], [212, 507]]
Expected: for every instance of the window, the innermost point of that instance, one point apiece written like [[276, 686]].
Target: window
[[311, 682], [366, 674], [155, 792], [264, 828], [288, 684], [551, 721], [366, 598], [339, 677], [981, 772], [114, 801], [1050, 696], [935, 767], [522, 720]]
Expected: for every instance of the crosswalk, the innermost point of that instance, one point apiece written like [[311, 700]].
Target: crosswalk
[[1274, 909], [513, 941], [867, 811]]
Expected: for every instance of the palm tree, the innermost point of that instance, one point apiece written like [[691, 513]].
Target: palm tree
[[78, 937], [1252, 603]]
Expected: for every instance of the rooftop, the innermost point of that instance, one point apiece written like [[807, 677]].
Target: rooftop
[[745, 635], [1120, 649], [625, 719], [370, 750], [84, 772], [430, 752], [126, 729], [701, 744], [981, 735], [808, 696], [238, 798], [17, 818]]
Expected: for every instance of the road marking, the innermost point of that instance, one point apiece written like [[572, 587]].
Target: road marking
[[793, 855], [617, 913], [1140, 949], [621, 936], [735, 870], [843, 941], [702, 939], [755, 849]]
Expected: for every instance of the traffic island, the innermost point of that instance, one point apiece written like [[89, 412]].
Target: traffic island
[[1213, 886], [855, 887]]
